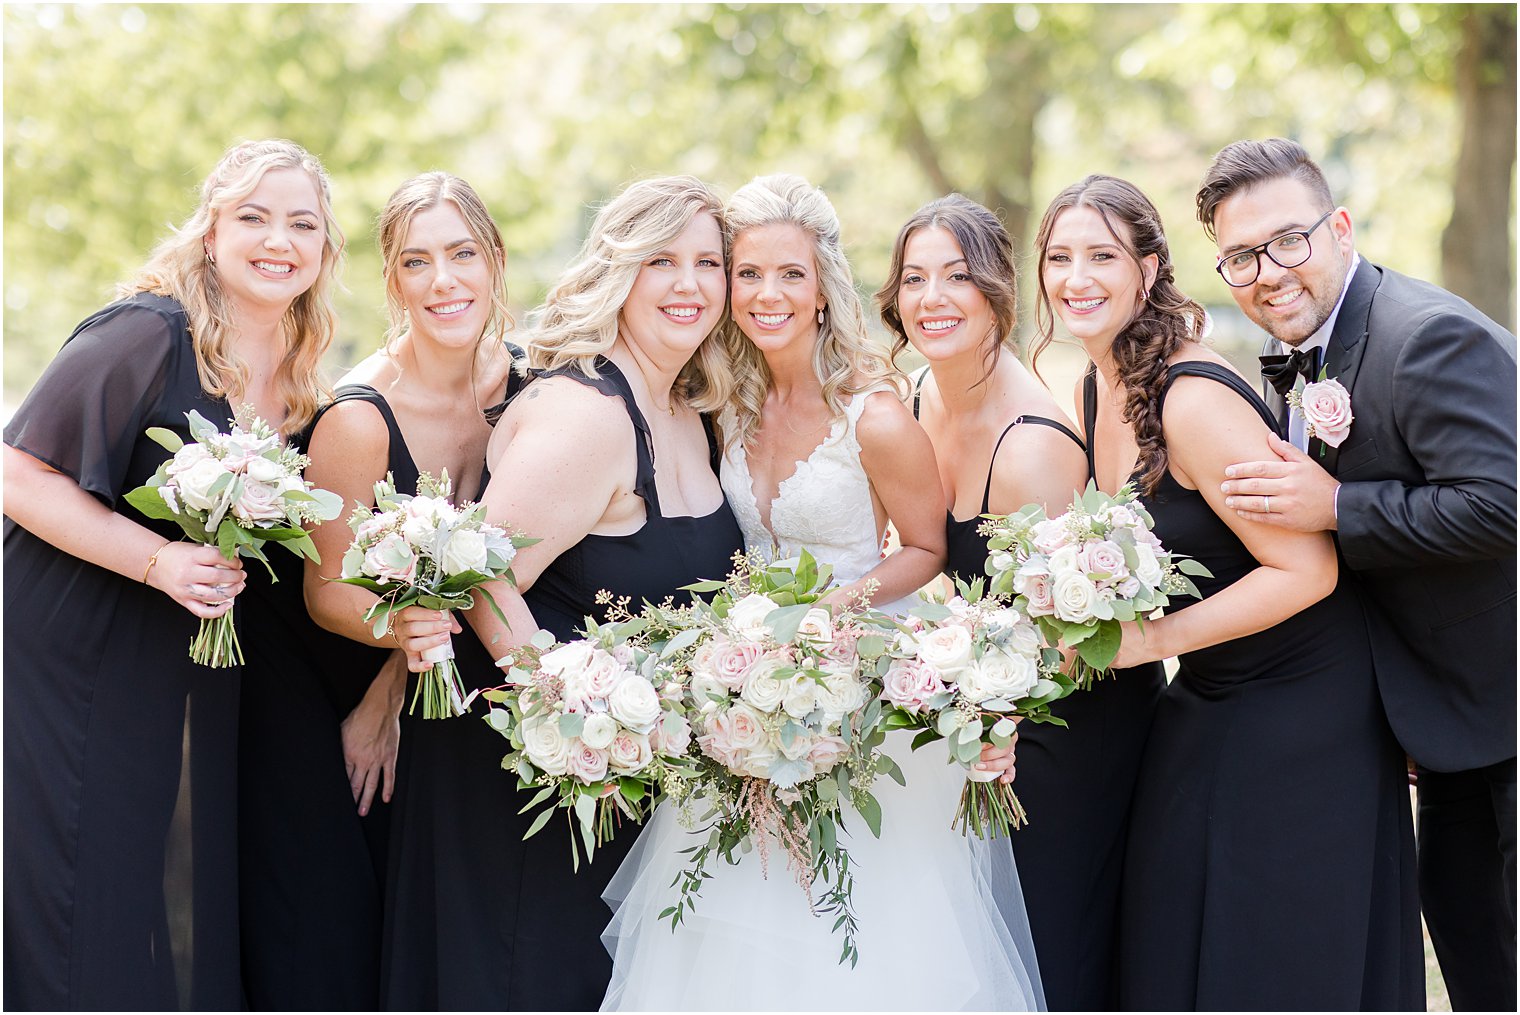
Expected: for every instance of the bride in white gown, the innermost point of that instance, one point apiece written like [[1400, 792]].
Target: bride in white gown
[[819, 452]]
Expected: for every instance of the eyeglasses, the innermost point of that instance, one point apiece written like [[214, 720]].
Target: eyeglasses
[[1289, 250]]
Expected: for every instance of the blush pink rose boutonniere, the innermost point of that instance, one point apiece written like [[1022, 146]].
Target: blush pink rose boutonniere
[[1326, 408]]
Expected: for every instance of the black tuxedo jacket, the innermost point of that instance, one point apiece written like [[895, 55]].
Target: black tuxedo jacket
[[1426, 510]]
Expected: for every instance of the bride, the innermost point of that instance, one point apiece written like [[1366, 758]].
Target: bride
[[820, 452]]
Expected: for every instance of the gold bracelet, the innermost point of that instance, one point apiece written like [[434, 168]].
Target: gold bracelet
[[154, 560]]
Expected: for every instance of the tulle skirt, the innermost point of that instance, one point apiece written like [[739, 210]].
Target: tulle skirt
[[942, 923]]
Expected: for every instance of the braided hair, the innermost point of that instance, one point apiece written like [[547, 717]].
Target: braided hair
[[1166, 318]]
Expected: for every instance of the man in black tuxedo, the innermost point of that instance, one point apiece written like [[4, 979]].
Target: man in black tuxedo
[[1420, 494]]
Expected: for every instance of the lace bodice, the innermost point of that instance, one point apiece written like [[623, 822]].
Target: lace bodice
[[825, 506]]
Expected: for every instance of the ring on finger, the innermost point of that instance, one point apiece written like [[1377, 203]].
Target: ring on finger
[[1267, 504]]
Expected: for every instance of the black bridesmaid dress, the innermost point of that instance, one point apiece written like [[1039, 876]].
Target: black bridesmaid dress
[[120, 753], [312, 871], [478, 919], [1075, 783], [1271, 858]]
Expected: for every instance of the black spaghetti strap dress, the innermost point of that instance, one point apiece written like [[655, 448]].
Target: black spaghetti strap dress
[[1075, 783], [1271, 858], [120, 753], [477, 918], [312, 870]]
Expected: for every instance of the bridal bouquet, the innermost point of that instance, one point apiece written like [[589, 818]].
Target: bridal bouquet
[[598, 723], [235, 491], [784, 710], [1082, 573], [423, 550], [962, 671]]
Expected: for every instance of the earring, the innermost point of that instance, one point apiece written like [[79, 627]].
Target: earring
[[1145, 295], [209, 255], [820, 315]]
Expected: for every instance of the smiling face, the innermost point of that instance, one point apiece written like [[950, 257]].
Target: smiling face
[[775, 291], [1090, 278], [943, 312], [443, 276], [677, 297], [1290, 304], [268, 245]]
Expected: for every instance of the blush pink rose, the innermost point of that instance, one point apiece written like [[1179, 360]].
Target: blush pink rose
[[730, 661], [587, 763], [827, 752], [910, 684], [1326, 406]]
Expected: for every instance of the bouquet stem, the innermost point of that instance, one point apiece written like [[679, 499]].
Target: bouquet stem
[[216, 643], [989, 810], [440, 688]]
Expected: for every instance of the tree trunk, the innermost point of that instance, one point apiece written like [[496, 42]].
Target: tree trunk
[[1477, 257]]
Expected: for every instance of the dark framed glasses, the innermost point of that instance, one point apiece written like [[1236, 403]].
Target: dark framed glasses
[[1289, 250]]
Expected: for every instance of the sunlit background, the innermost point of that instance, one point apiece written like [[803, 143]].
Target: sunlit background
[[114, 113]]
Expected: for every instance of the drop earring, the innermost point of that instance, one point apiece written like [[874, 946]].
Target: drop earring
[[820, 315]]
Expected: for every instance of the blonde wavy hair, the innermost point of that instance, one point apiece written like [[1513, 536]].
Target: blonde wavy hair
[[578, 320], [845, 359], [179, 268], [423, 193]]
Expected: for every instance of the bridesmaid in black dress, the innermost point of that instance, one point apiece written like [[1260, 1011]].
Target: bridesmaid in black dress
[[120, 753], [606, 457], [1270, 859], [1002, 442], [320, 729]]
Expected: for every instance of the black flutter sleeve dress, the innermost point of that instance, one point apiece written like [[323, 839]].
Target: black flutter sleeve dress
[[478, 919], [120, 876]]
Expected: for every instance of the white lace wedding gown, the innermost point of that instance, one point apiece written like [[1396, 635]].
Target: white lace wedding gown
[[941, 915]]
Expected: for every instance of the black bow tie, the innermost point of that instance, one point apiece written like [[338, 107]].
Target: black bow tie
[[1283, 371]]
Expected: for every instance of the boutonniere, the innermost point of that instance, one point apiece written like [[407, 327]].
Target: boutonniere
[[1325, 405]]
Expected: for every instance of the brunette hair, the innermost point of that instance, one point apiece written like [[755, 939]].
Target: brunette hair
[[423, 193], [180, 268], [1245, 164], [845, 359], [1164, 322], [988, 250]]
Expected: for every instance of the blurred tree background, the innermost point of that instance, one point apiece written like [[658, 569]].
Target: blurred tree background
[[114, 113]]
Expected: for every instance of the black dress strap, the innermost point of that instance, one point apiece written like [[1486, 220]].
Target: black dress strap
[[400, 464], [1225, 376], [918, 393], [612, 382], [1043, 421], [515, 382]]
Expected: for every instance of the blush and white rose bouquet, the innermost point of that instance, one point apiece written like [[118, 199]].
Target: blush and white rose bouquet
[[785, 715], [598, 724], [1081, 574], [424, 550], [965, 671], [236, 491]]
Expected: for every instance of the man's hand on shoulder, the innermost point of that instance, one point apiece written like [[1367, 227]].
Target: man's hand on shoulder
[[1289, 489]]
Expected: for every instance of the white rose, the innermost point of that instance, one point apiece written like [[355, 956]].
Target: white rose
[[703, 687], [801, 697], [1147, 566], [841, 693], [195, 483], [747, 617], [635, 704], [1063, 561], [629, 753], [816, 627], [1024, 639], [802, 746], [762, 689], [545, 746], [602, 675], [572, 657], [186, 457], [1002, 560], [258, 502], [947, 649], [598, 731], [1050, 535], [757, 763], [1104, 559], [1001, 675], [1074, 597], [746, 730], [262, 470], [466, 551]]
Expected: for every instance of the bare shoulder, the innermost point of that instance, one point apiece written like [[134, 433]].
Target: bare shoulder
[[567, 417], [354, 428], [885, 419]]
